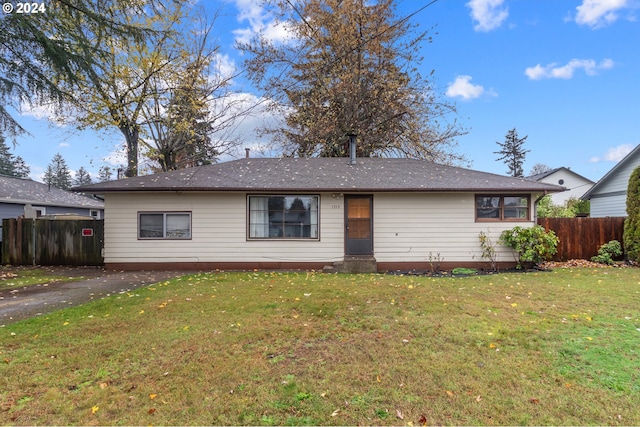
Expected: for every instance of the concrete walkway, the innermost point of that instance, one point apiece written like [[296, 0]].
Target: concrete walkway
[[35, 300]]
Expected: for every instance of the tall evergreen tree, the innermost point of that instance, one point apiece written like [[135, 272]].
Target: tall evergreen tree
[[82, 177], [350, 68], [631, 234], [11, 165], [7, 166], [22, 170], [58, 174], [39, 50], [513, 154]]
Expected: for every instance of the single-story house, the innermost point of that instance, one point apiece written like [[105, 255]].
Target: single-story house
[[28, 198], [609, 195], [576, 185], [312, 212]]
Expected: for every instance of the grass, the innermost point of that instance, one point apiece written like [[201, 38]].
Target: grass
[[259, 348], [19, 277]]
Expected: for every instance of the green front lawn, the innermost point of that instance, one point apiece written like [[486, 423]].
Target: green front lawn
[[259, 348]]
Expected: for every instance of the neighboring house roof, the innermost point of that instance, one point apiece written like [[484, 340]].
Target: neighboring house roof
[[543, 175], [323, 174], [26, 191], [628, 159]]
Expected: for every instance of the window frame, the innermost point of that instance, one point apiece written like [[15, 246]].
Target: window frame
[[501, 208], [164, 224], [249, 227]]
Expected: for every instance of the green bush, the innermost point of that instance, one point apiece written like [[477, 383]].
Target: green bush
[[532, 244], [631, 234], [607, 252]]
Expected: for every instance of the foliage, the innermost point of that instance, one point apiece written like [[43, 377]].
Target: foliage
[[531, 244], [580, 207], [488, 250], [462, 271], [547, 209], [11, 165], [513, 154], [631, 234], [38, 50], [607, 252], [310, 348], [105, 173], [435, 261], [349, 68], [191, 113], [82, 177], [57, 173], [539, 168]]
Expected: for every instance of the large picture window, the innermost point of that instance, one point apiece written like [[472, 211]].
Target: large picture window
[[164, 225], [283, 217], [502, 208]]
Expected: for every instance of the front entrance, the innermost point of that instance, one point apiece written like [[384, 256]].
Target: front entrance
[[358, 225]]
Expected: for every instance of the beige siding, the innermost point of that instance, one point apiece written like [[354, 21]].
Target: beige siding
[[411, 227], [218, 231], [408, 227]]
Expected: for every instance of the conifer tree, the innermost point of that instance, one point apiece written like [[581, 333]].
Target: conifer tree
[[631, 234], [58, 174], [11, 165], [82, 177], [513, 153]]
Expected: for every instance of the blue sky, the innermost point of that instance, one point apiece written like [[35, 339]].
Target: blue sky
[[564, 73]]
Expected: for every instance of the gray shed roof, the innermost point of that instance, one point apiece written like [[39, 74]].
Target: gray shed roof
[[323, 174], [26, 191]]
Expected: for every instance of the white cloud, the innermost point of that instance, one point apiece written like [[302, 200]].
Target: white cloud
[[599, 13], [64, 145], [614, 154], [488, 14], [259, 20], [463, 88], [554, 71]]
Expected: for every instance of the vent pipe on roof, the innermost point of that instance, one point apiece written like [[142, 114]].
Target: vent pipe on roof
[[352, 148], [246, 150]]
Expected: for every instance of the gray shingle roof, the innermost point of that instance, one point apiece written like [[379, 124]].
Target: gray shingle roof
[[23, 191], [323, 174]]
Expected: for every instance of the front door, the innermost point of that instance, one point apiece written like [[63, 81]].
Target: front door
[[359, 225]]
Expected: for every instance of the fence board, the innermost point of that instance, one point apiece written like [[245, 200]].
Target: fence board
[[580, 238], [51, 242]]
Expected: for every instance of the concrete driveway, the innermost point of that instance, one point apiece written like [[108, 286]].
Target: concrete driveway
[[35, 300]]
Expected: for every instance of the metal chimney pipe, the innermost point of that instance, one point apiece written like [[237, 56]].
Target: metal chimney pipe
[[246, 150], [352, 148]]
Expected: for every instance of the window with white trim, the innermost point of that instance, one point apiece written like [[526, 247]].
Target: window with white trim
[[282, 217], [164, 225]]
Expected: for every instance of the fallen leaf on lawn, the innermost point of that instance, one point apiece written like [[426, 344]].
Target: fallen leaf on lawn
[[478, 398], [449, 393], [492, 345], [94, 409], [336, 412], [399, 414], [152, 396], [104, 385], [422, 420], [378, 378], [534, 400], [151, 411]]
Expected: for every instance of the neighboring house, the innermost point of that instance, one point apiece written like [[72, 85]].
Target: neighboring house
[[312, 212], [576, 185], [609, 195], [24, 197]]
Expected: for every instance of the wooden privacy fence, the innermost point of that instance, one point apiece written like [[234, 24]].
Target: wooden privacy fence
[[580, 238], [52, 242]]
